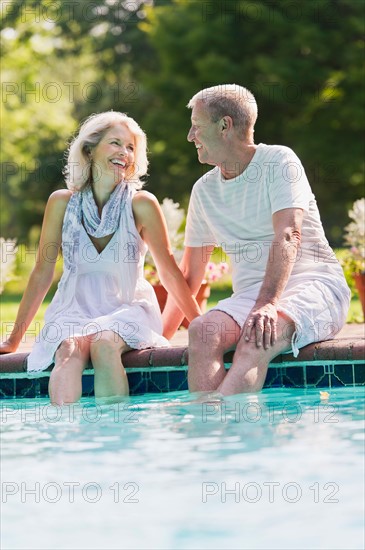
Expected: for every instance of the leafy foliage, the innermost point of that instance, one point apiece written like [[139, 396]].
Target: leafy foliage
[[354, 259], [64, 61]]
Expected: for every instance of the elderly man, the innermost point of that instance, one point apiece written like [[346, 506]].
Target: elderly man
[[256, 203]]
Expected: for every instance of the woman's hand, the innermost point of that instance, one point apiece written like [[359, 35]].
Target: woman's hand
[[7, 347]]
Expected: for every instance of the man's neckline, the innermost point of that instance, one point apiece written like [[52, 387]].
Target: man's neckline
[[239, 176]]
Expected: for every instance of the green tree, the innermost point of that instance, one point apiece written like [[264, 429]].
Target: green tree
[[60, 63], [303, 62]]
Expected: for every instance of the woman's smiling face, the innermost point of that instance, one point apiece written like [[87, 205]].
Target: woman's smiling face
[[113, 157]]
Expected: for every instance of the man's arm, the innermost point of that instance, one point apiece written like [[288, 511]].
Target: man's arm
[[193, 266], [262, 319]]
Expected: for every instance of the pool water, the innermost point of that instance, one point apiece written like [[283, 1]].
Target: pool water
[[282, 469]]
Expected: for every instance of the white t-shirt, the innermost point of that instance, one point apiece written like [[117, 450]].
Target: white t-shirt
[[236, 215]]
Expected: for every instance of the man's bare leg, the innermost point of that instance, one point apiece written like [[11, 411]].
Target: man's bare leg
[[210, 336], [250, 363]]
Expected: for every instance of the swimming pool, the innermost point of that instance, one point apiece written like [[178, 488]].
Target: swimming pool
[[282, 469]]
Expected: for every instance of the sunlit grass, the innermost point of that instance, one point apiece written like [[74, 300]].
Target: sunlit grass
[[8, 310]]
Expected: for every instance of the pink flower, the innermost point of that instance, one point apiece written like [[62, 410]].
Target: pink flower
[[214, 272]]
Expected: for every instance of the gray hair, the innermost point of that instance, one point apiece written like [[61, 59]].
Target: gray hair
[[229, 100], [78, 165]]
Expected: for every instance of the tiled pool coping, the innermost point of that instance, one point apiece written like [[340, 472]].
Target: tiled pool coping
[[334, 363]]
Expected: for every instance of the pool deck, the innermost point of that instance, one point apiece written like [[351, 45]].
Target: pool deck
[[333, 363]]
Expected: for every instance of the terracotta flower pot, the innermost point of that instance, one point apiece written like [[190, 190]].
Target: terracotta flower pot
[[359, 279], [201, 298]]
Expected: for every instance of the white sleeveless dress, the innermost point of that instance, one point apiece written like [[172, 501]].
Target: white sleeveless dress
[[92, 298]]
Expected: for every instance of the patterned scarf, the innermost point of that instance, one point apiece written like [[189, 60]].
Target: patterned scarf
[[82, 209], [110, 215]]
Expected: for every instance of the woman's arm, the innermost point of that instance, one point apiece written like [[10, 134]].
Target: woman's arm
[[151, 225], [192, 266], [42, 275]]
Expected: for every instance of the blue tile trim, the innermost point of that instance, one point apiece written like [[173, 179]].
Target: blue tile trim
[[164, 379], [7, 388], [359, 375]]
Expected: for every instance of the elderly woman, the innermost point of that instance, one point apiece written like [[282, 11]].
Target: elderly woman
[[104, 223]]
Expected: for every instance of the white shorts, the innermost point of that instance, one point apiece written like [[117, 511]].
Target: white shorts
[[317, 312]]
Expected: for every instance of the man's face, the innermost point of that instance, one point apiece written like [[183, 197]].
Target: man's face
[[206, 136]]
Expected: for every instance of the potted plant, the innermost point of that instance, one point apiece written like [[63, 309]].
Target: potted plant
[[175, 219], [353, 260]]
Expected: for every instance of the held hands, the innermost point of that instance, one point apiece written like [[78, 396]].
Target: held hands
[[261, 326]]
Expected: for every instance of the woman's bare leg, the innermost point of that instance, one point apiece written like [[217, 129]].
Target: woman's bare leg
[[65, 383], [110, 376]]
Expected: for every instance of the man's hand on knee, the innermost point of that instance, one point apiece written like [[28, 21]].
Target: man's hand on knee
[[261, 326]]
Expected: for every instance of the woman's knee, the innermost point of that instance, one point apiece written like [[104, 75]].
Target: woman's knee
[[72, 348], [107, 343]]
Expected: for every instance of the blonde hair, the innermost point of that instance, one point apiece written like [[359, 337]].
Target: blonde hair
[[78, 164], [229, 100]]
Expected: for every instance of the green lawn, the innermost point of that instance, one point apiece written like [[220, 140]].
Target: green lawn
[[8, 309]]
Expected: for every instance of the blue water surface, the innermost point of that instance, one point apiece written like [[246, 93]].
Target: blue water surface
[[282, 469]]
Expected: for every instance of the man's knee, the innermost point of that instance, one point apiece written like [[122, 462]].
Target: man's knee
[[214, 329], [285, 330], [251, 354], [194, 329], [204, 330]]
